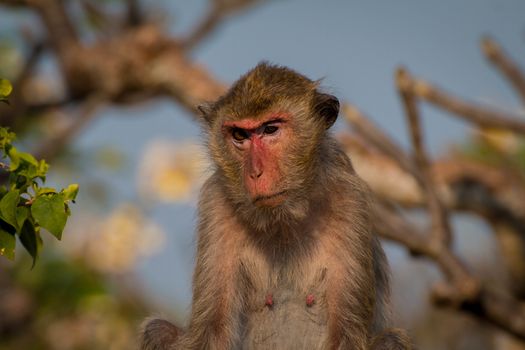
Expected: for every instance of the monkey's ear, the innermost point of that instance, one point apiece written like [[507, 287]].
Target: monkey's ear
[[327, 107], [205, 110]]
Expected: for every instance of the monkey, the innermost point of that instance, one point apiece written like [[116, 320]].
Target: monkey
[[285, 254]]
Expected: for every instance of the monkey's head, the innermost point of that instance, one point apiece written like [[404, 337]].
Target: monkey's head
[[266, 135]]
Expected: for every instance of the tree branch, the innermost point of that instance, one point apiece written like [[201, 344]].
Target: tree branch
[[50, 148], [134, 16], [19, 105], [378, 138], [505, 64], [217, 12], [479, 115], [15, 3], [464, 292], [61, 31], [441, 232]]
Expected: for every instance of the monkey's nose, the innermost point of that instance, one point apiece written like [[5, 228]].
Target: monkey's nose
[[256, 173], [255, 166]]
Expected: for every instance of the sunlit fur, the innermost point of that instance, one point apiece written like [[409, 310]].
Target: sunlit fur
[[317, 242]]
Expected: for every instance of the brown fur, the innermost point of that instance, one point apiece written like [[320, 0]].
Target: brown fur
[[317, 244]]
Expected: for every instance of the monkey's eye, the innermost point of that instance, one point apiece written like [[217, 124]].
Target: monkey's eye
[[270, 129], [239, 134]]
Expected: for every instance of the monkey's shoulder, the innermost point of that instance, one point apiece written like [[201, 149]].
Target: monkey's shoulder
[[338, 170], [212, 200], [211, 191]]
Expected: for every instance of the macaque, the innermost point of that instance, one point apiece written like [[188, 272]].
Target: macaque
[[285, 255]]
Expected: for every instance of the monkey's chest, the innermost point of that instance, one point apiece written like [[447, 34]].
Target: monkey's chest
[[286, 319]]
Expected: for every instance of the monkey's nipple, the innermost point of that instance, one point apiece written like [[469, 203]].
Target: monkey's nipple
[[310, 300], [268, 301]]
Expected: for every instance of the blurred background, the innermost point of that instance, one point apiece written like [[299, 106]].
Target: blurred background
[[105, 91]]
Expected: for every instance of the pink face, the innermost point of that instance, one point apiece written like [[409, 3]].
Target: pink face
[[260, 143]]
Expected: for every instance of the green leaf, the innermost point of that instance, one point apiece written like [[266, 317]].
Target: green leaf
[[45, 190], [49, 212], [5, 89], [42, 169], [28, 166], [28, 158], [7, 228], [70, 193], [25, 164], [6, 137], [7, 244], [31, 240], [15, 159], [19, 182], [8, 206], [25, 168], [22, 214]]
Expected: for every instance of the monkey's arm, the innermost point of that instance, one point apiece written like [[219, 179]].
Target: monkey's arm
[[357, 296], [215, 305], [351, 282], [350, 305]]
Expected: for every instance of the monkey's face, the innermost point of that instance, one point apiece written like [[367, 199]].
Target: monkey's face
[[260, 148], [265, 136], [269, 160]]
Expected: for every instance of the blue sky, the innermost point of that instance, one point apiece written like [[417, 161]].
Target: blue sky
[[354, 45]]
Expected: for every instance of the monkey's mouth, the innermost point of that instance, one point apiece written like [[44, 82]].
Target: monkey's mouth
[[270, 200]]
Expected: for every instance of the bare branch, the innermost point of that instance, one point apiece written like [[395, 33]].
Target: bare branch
[[395, 227], [35, 53], [54, 14], [464, 185], [440, 224], [464, 293], [505, 64], [496, 308], [134, 16], [50, 148], [479, 115], [15, 3], [217, 12], [377, 137], [441, 229], [96, 15], [142, 61], [19, 105], [188, 83], [503, 311], [404, 85]]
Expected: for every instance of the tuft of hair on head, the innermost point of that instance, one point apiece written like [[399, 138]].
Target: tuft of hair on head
[[260, 88], [266, 85]]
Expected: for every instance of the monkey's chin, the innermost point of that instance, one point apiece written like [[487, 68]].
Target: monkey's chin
[[270, 201]]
